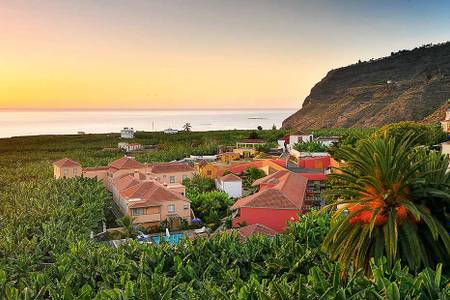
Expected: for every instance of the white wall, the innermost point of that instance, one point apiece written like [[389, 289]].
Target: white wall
[[232, 188]]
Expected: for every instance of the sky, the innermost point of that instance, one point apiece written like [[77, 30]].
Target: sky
[[109, 54]]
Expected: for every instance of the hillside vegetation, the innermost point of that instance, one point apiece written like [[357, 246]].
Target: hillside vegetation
[[405, 86]]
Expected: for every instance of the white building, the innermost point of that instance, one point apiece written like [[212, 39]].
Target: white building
[[170, 131], [300, 137], [327, 140], [230, 184], [130, 147], [127, 133]]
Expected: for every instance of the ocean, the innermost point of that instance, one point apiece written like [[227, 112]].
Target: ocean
[[38, 122]]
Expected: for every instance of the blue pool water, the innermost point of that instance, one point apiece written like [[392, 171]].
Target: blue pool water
[[173, 239]]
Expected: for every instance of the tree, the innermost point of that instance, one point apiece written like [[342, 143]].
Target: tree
[[312, 146], [274, 127], [129, 229], [260, 127], [253, 135], [211, 207], [187, 127], [266, 147], [250, 175], [198, 184], [382, 206], [423, 134]]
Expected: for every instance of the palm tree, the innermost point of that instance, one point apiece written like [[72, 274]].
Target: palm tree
[[381, 207], [129, 228], [187, 127]]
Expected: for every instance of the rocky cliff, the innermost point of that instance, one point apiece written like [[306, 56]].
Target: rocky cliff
[[408, 85]]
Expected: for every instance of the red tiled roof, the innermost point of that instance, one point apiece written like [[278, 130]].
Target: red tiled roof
[[268, 178], [125, 163], [66, 162], [150, 192], [230, 177], [100, 168], [171, 167], [314, 176], [124, 182], [246, 231], [287, 193], [240, 168]]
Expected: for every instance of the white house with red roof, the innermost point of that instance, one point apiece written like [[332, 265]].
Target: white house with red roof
[[230, 184], [281, 197]]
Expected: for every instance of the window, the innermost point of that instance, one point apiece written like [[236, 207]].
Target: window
[[171, 208], [66, 171], [172, 179], [137, 211], [185, 177], [186, 206], [75, 170]]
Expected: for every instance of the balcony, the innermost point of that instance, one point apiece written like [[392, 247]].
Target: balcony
[[148, 218]]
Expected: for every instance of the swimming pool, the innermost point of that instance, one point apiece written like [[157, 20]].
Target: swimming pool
[[172, 239]]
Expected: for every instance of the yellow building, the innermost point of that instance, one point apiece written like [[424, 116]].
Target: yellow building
[[207, 169], [247, 147], [66, 168], [228, 157]]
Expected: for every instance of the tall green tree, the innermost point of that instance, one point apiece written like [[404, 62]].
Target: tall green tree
[[384, 194]]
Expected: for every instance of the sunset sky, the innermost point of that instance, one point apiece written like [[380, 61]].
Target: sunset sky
[[195, 54]]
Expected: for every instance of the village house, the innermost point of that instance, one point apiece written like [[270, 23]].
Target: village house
[[281, 197], [228, 157], [288, 141], [139, 186], [230, 184], [170, 131], [214, 170], [248, 147], [446, 123], [66, 168], [148, 201], [130, 147], [127, 133]]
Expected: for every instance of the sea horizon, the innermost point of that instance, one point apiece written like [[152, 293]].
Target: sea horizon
[[23, 122]]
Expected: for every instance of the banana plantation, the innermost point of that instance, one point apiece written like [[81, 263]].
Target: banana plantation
[[384, 235]]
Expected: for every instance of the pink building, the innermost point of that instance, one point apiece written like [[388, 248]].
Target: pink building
[[281, 197], [148, 201], [151, 193]]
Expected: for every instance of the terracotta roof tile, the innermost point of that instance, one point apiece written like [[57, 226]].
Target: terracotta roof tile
[[66, 162], [125, 163], [171, 167], [230, 177], [288, 193], [248, 230], [148, 191]]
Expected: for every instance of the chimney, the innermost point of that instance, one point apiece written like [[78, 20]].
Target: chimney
[[148, 175], [136, 174]]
